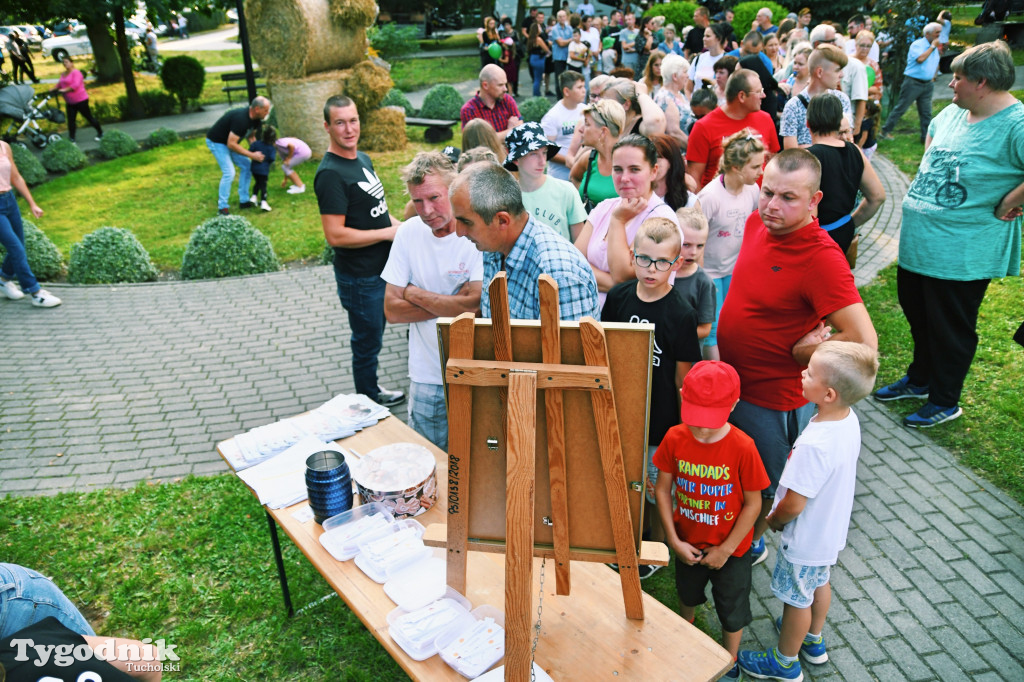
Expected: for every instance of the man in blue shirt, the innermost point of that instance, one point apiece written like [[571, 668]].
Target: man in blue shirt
[[561, 36], [918, 81], [488, 206]]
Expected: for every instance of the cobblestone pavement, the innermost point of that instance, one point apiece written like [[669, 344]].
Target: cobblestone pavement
[[130, 383]]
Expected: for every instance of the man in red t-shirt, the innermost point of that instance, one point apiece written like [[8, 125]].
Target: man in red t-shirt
[[743, 95], [791, 286]]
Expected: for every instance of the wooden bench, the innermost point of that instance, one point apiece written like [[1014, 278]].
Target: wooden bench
[[229, 77], [436, 130]]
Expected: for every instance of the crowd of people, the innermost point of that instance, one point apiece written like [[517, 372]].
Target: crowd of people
[[737, 246]]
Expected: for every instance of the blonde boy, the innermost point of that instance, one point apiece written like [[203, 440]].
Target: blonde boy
[[691, 281], [813, 504], [651, 298]]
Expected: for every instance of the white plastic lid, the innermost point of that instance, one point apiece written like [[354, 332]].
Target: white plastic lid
[[474, 661], [414, 586], [416, 631], [498, 674], [394, 467], [398, 548]]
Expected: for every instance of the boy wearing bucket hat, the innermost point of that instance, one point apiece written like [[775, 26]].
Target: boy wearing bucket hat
[[554, 202], [709, 498]]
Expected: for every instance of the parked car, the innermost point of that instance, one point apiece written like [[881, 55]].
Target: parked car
[[63, 28], [75, 45], [31, 35], [138, 28]]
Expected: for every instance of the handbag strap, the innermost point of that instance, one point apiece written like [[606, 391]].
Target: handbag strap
[[586, 178]]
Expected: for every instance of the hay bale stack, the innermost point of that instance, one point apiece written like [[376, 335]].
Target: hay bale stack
[[299, 104], [355, 12], [383, 130], [368, 85], [296, 38]]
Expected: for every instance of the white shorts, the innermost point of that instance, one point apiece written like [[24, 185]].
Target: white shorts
[[795, 584]]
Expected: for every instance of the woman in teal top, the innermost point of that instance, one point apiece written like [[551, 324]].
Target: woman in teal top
[[961, 228], [592, 171]]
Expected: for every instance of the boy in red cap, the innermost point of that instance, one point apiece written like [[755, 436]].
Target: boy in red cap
[[710, 498]]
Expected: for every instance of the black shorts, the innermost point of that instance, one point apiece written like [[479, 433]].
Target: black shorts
[[730, 587]]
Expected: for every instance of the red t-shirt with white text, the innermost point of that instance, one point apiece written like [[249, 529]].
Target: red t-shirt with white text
[[708, 484], [781, 287], [705, 144]]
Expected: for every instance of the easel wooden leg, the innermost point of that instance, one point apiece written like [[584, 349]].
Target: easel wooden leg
[[519, 511], [460, 407], [551, 350], [595, 351]]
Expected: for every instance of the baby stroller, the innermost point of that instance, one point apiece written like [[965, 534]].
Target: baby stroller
[[18, 102]]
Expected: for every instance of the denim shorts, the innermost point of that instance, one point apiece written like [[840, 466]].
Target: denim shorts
[[27, 597], [795, 584]]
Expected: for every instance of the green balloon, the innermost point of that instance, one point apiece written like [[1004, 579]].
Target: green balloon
[[871, 75], [494, 49]]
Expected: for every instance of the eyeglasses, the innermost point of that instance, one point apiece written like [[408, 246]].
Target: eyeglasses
[[661, 265]]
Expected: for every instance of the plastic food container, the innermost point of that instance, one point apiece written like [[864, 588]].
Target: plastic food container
[[401, 476], [416, 631], [343, 533], [471, 648], [403, 545], [416, 585], [498, 674]]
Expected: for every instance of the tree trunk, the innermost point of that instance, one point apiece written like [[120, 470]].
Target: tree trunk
[[108, 68], [135, 108]]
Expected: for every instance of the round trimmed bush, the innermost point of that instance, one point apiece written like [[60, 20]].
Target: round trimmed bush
[[110, 255], [63, 156], [44, 258], [161, 137], [397, 98], [183, 77], [442, 102], [227, 246], [28, 165], [746, 12], [534, 108], [117, 143]]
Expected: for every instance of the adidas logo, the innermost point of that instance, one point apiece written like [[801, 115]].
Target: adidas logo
[[372, 186]]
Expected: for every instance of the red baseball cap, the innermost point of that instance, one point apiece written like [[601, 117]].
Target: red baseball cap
[[710, 389]]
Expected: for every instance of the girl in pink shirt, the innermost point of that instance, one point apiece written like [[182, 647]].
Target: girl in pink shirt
[[72, 86]]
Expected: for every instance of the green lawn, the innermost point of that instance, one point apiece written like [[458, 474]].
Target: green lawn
[[417, 74], [163, 194]]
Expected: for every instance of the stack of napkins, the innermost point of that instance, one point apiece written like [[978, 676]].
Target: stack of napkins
[[280, 481], [339, 417]]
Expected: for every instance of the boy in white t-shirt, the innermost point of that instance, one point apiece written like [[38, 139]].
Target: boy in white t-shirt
[[560, 122], [813, 504]]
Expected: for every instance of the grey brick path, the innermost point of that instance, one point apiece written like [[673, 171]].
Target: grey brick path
[[133, 383]]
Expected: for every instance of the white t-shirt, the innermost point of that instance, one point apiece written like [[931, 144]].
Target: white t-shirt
[[726, 214], [592, 37], [823, 468], [703, 66], [855, 81], [559, 124], [441, 266], [557, 204], [851, 48]]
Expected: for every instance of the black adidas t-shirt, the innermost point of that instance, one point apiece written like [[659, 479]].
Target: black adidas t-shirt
[[61, 668], [351, 188], [236, 121], [675, 340]]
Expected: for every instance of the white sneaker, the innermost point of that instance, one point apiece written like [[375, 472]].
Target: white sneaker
[[254, 199], [10, 290], [296, 189], [265, 206], [44, 299]]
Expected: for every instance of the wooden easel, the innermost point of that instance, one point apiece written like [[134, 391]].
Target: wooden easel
[[522, 381]]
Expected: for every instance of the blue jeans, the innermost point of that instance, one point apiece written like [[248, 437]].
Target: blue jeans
[[12, 236], [27, 597], [227, 160], [721, 288], [537, 71], [363, 300], [428, 413]]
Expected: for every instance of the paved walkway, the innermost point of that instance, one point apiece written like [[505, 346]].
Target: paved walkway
[[134, 383]]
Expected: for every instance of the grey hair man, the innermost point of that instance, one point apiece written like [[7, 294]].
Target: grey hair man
[[488, 206], [224, 141], [431, 272], [918, 81]]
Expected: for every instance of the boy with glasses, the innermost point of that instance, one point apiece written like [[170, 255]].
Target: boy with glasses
[[651, 298]]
